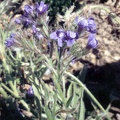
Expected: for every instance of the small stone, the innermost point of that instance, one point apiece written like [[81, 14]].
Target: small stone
[[107, 53]]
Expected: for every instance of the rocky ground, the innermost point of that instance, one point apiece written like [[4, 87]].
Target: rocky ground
[[103, 63]]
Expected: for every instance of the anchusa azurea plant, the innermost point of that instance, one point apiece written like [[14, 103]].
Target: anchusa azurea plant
[[40, 51]]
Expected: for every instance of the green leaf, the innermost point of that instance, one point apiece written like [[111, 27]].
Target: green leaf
[[70, 91], [77, 94], [48, 113], [38, 59], [69, 101], [81, 114], [39, 111], [42, 71], [37, 99]]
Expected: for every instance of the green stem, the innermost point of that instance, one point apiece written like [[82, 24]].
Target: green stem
[[51, 48], [60, 91], [63, 84], [56, 80], [88, 92], [56, 76], [47, 62], [3, 92]]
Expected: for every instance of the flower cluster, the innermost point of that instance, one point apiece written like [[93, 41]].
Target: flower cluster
[[34, 16], [64, 36], [31, 15], [30, 19], [69, 37], [90, 26]]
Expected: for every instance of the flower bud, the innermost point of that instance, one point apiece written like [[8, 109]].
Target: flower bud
[[30, 93]]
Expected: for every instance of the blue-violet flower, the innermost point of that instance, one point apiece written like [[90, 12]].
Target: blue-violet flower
[[10, 41], [92, 42], [91, 25], [30, 92], [71, 37], [34, 29], [26, 22], [58, 35], [61, 36], [28, 10], [18, 21], [88, 25], [83, 23], [41, 8]]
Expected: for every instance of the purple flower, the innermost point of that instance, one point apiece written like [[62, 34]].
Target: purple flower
[[58, 35], [34, 29], [92, 42], [61, 36], [30, 91], [18, 21], [71, 37], [25, 19], [82, 23], [91, 25], [41, 8], [36, 32], [28, 10], [26, 22], [88, 25], [12, 35], [10, 41]]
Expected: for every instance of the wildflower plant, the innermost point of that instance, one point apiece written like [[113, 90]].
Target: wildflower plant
[[36, 49]]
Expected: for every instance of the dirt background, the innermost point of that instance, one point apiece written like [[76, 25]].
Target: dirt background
[[103, 63]]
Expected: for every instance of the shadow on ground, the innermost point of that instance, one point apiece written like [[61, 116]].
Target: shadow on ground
[[104, 83]]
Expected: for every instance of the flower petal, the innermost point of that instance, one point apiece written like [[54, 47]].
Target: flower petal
[[60, 42], [53, 36], [41, 8], [71, 34], [70, 42], [92, 42], [91, 25], [83, 23], [9, 42], [91, 37]]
